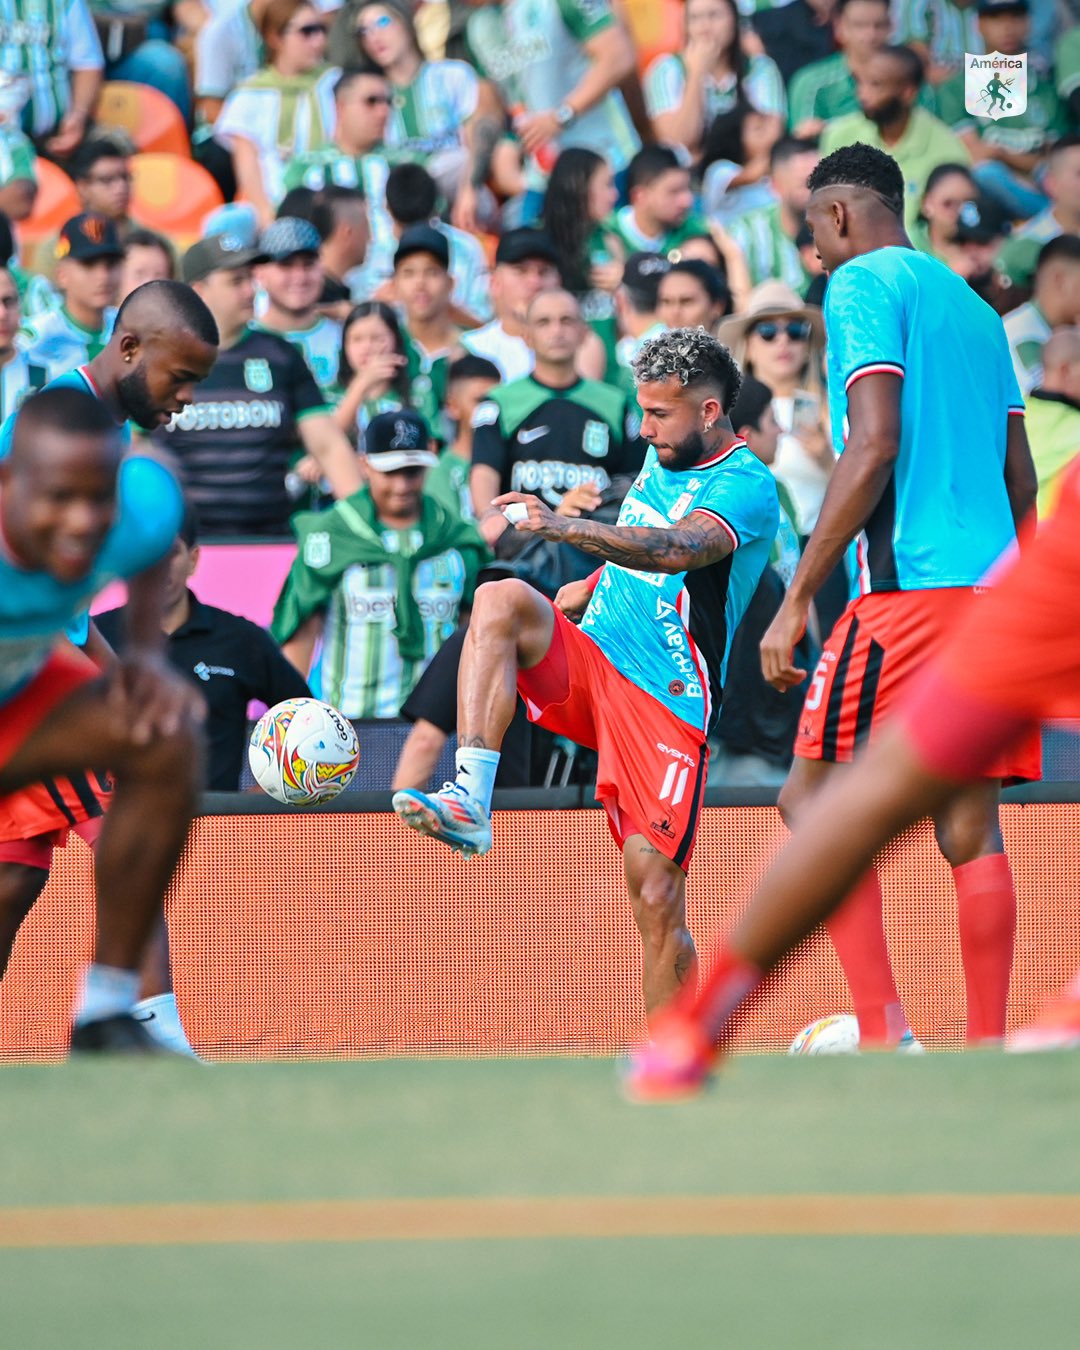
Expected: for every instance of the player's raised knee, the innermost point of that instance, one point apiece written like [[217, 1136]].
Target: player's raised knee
[[503, 601]]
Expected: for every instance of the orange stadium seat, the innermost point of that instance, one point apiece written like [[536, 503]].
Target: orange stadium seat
[[172, 195], [656, 27], [149, 118], [56, 202]]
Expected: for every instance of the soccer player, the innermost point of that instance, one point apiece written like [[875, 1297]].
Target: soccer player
[[73, 516], [935, 470], [1012, 660], [640, 680], [164, 341]]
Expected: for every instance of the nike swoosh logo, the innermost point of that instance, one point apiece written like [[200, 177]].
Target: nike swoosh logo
[[527, 437]]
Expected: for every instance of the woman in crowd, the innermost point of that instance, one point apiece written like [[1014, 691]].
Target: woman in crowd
[[284, 109], [734, 165], [779, 340], [948, 187], [372, 376], [581, 194], [718, 67]]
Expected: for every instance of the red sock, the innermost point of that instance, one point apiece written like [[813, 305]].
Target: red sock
[[986, 913], [858, 934], [718, 997]]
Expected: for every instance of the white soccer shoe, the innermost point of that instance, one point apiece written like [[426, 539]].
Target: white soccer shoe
[[450, 815]]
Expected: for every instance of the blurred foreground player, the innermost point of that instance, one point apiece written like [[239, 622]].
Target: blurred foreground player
[[164, 341], [933, 477], [640, 680], [1013, 660], [75, 514]]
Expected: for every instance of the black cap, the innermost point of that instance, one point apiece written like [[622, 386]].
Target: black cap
[[980, 221], [1002, 6], [423, 239], [218, 253], [87, 237], [398, 440], [519, 245]]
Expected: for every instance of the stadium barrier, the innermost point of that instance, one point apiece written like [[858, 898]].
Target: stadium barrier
[[339, 933]]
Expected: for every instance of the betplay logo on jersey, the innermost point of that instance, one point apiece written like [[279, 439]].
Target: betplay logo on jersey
[[996, 86]]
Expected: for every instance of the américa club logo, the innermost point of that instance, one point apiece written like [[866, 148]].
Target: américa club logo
[[995, 86]]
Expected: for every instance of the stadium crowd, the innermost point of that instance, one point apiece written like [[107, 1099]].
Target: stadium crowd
[[434, 237]]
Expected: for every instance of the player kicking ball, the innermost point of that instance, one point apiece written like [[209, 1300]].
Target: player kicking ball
[[74, 514], [1013, 661], [639, 680]]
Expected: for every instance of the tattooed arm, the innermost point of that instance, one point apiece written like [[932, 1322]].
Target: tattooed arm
[[697, 541]]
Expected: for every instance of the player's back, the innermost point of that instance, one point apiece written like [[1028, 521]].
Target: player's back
[[945, 515]]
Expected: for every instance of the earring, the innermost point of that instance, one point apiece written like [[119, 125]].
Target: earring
[[708, 426]]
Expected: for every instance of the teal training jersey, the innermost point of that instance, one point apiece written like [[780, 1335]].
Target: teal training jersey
[[944, 517], [670, 633]]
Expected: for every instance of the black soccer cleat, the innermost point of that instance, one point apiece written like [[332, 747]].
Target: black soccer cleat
[[119, 1035]]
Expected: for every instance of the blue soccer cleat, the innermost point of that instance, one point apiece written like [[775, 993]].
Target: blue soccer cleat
[[450, 815]]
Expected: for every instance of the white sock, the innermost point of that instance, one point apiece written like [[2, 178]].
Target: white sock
[[106, 992], [476, 773], [161, 1018]]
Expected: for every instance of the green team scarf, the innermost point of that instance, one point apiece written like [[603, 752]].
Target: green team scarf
[[293, 89], [349, 535]]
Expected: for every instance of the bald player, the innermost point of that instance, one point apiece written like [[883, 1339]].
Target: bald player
[[74, 514], [164, 341]]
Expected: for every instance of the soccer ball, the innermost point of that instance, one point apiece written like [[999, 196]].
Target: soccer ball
[[838, 1035], [303, 752]]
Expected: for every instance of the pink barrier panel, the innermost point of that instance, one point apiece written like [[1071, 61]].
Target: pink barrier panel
[[243, 578]]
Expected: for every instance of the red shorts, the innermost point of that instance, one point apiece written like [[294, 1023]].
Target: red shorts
[[652, 765], [1014, 660], [38, 852], [57, 803], [880, 644]]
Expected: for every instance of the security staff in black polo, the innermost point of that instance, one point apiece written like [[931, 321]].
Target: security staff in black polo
[[230, 659]]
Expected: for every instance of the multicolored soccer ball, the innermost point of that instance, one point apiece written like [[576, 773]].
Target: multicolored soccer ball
[[303, 752], [837, 1035]]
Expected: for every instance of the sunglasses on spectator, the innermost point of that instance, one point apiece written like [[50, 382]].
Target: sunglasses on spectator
[[309, 30], [798, 330], [383, 21]]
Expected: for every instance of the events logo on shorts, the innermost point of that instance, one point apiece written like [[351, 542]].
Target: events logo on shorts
[[995, 86]]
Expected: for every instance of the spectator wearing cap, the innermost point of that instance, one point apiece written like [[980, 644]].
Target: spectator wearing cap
[[552, 433], [53, 61], [1006, 153], [562, 65], [19, 376], [283, 110], [692, 294], [1061, 183], [636, 311], [423, 288], [147, 257], [340, 216], [756, 731], [1053, 415], [254, 413], [411, 200], [780, 340], [765, 237], [290, 278], [981, 229], [889, 119], [1054, 303], [88, 258], [380, 578], [526, 263]]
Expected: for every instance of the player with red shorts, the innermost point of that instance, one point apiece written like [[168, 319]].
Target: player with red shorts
[[640, 679], [1013, 660]]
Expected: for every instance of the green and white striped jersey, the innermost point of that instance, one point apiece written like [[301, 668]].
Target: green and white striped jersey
[[321, 346], [54, 340], [763, 85], [826, 89], [944, 28], [43, 41], [623, 227], [534, 51], [769, 252], [19, 378], [1027, 330], [363, 673], [428, 115]]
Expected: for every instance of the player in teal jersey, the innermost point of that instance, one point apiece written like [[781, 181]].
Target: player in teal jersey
[[640, 680]]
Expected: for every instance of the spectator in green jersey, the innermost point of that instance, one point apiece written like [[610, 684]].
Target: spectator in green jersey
[[826, 89], [381, 577], [373, 374], [19, 376], [470, 380], [291, 281], [766, 236], [51, 56], [88, 258], [1054, 303], [715, 71], [423, 288], [660, 213]]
